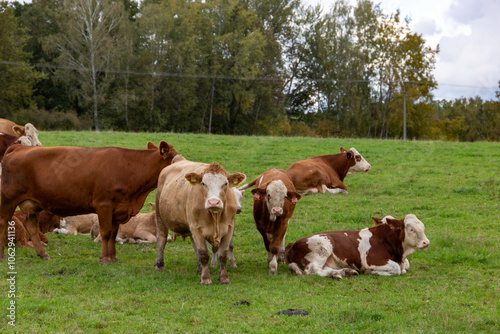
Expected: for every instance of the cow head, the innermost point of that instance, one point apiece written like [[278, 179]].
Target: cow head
[[23, 140], [274, 195], [359, 163], [239, 197], [29, 131], [215, 182], [167, 151], [414, 236]]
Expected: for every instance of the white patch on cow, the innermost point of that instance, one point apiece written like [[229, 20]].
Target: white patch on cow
[[414, 235], [273, 265], [239, 197], [346, 234], [361, 164], [214, 184], [260, 181], [364, 245], [275, 200], [320, 249], [384, 220], [392, 268], [333, 190], [23, 140]]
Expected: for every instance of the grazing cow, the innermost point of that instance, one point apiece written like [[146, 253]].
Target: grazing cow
[[139, 229], [80, 224], [378, 250], [326, 173], [196, 199], [67, 181], [13, 129], [274, 199]]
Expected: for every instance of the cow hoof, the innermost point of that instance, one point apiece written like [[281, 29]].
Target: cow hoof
[[46, 257], [351, 272], [273, 272], [162, 268], [206, 282], [233, 264]]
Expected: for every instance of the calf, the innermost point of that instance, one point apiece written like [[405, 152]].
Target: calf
[[13, 129], [67, 181], [196, 199], [139, 229], [326, 173], [46, 223], [378, 250], [274, 200], [80, 224]]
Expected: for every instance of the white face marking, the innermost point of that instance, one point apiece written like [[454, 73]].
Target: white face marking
[[414, 234], [215, 184], [239, 196], [32, 134], [361, 164], [275, 198], [23, 140]]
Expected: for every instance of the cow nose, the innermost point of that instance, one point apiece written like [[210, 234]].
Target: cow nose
[[425, 243], [238, 209], [213, 203], [277, 211], [368, 168]]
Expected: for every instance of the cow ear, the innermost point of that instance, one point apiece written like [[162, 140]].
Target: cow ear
[[294, 196], [193, 178], [236, 179], [152, 205], [258, 193], [19, 130], [164, 149], [343, 150], [377, 221], [151, 146]]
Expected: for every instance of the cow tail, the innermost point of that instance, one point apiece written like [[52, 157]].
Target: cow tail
[[248, 185]]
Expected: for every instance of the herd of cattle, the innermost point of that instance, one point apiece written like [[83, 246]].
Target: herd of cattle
[[100, 191]]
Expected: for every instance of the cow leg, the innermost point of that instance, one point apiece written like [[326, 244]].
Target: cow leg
[[281, 255], [215, 256], [392, 268], [202, 256], [32, 210], [272, 263], [161, 241], [232, 260], [6, 212], [276, 249], [145, 237], [223, 255], [105, 228], [334, 190], [112, 241]]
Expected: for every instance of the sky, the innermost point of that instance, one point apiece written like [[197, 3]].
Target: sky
[[468, 34]]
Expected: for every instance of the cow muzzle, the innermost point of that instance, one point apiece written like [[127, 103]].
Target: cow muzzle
[[425, 244], [214, 204]]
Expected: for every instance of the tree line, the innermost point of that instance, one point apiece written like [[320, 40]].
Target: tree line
[[272, 67]]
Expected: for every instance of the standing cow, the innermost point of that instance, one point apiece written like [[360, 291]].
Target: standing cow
[[196, 199], [110, 181], [274, 199], [379, 250], [326, 173], [13, 129]]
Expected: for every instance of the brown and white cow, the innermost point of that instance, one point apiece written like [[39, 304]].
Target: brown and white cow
[[196, 199], [274, 200], [379, 250], [80, 224], [326, 173], [141, 228], [6, 140], [110, 181], [13, 129]]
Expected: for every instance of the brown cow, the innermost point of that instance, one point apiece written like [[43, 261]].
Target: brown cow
[[67, 181], [274, 199], [13, 129], [379, 250], [326, 173], [139, 229], [46, 223], [196, 199], [81, 224]]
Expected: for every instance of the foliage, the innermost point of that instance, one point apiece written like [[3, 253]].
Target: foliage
[[452, 286]]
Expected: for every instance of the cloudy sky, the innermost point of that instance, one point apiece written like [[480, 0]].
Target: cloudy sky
[[468, 34]]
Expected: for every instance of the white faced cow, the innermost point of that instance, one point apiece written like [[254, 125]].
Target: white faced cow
[[13, 129], [196, 199], [326, 173], [379, 250]]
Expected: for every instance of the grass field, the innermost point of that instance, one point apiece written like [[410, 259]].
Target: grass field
[[452, 286]]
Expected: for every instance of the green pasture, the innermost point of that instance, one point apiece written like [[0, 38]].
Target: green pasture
[[451, 287]]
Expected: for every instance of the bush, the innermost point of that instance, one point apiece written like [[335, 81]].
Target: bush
[[52, 120]]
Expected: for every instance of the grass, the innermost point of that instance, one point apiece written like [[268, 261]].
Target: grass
[[453, 286]]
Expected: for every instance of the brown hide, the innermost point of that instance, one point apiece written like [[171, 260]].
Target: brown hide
[[110, 181], [328, 170], [5, 141], [139, 229], [46, 223], [11, 128]]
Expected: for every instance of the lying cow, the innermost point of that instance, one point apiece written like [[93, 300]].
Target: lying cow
[[46, 223], [141, 228], [67, 181], [326, 173], [74, 225], [13, 129], [379, 250], [196, 199], [274, 199]]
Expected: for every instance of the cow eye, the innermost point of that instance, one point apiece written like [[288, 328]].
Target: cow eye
[[203, 184], [410, 229]]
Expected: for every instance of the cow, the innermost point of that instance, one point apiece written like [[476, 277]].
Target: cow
[[80, 224], [326, 173], [6, 140], [46, 223], [67, 181], [196, 199], [378, 250], [274, 200], [13, 129], [139, 229]]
